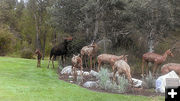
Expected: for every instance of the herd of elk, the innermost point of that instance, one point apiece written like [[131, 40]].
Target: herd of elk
[[118, 63]]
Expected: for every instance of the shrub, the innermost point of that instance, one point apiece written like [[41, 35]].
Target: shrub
[[27, 53], [106, 83], [149, 81], [6, 40]]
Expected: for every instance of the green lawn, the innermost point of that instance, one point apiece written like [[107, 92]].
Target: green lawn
[[20, 80]]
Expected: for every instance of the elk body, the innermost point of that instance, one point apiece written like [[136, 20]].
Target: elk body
[[60, 50], [154, 58], [90, 51], [122, 67], [76, 63], [110, 59], [39, 56], [170, 67]]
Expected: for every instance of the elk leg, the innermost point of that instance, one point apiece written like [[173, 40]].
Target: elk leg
[[90, 62], [154, 69], [39, 63], [147, 68], [142, 68], [99, 64], [114, 73]]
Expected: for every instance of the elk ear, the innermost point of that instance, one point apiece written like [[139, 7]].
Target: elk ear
[[78, 55], [73, 55]]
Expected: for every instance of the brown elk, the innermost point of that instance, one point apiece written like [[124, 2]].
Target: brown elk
[[90, 51], [122, 67], [155, 58], [110, 59], [76, 63], [39, 56], [170, 67]]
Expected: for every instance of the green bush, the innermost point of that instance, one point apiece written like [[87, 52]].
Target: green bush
[[27, 53], [6, 40], [149, 81], [107, 84]]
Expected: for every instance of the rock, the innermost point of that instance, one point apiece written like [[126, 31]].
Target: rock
[[90, 84], [93, 73], [138, 83], [161, 81], [71, 81], [66, 70], [79, 72], [111, 74], [86, 73], [70, 77]]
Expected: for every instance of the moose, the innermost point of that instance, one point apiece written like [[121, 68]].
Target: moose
[[154, 58], [39, 56], [60, 50], [109, 58], [90, 51]]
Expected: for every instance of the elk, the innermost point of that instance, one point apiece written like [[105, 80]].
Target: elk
[[39, 56], [76, 63], [170, 67], [155, 58], [109, 58], [60, 50], [90, 51], [122, 67]]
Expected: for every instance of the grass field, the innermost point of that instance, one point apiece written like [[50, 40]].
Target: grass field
[[20, 80]]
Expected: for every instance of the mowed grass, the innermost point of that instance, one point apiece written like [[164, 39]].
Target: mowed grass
[[20, 80]]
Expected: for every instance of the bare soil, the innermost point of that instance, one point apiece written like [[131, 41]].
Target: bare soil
[[132, 91]]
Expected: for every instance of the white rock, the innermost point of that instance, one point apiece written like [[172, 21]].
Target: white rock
[[66, 70], [161, 81], [86, 73], [93, 73], [90, 84], [70, 77], [71, 81], [138, 83]]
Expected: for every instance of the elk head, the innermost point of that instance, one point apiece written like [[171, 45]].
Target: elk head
[[169, 52]]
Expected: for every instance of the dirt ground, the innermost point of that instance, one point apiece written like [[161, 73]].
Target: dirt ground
[[134, 91]]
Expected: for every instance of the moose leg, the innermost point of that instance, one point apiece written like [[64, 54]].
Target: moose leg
[[49, 61], [53, 61]]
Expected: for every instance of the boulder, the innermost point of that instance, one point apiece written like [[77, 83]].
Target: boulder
[[93, 73], [138, 83], [161, 81], [90, 84], [66, 70], [86, 73]]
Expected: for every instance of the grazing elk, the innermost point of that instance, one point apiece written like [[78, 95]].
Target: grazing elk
[[108, 58], [76, 63], [39, 56], [122, 67], [60, 50], [170, 67], [90, 51], [155, 58]]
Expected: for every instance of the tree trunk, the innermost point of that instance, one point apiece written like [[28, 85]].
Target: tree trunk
[[151, 41], [38, 43], [96, 28], [44, 44]]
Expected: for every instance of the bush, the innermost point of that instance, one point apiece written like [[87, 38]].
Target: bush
[[106, 83], [6, 40], [27, 53], [149, 81]]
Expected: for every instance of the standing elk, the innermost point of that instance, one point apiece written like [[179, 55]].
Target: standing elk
[[39, 56], [60, 50], [155, 58], [122, 67], [90, 51], [76, 63], [111, 59], [170, 67]]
